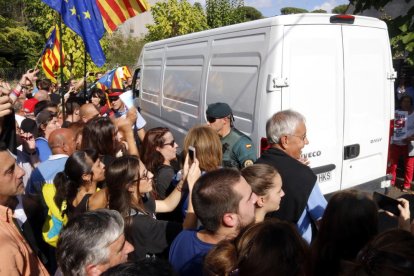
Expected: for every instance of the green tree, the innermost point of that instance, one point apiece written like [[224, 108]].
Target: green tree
[[401, 28], [318, 11], [292, 10], [341, 9], [123, 50], [199, 6], [42, 19], [250, 13], [224, 12], [173, 18]]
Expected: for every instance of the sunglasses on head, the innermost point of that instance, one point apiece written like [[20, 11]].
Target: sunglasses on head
[[114, 98], [211, 119]]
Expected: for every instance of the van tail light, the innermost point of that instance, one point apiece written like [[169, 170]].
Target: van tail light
[[264, 145], [342, 18], [390, 138]]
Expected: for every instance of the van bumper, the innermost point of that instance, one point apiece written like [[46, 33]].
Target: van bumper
[[380, 185]]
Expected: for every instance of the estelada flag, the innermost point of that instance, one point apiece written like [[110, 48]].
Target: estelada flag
[[115, 12], [51, 55]]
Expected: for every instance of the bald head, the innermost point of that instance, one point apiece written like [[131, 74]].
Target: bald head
[[88, 111], [42, 95], [62, 141]]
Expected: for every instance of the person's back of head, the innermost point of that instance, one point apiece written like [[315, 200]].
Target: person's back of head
[[350, 220], [84, 242], [390, 253], [88, 111], [99, 133], [144, 267], [42, 105], [213, 196], [267, 248], [62, 141], [72, 106], [44, 84], [41, 95], [208, 147]]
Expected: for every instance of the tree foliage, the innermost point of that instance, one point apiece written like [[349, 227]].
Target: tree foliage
[[224, 12], [318, 11], [123, 50], [249, 13], [292, 10], [173, 18], [18, 47], [25, 26], [401, 28], [341, 9]]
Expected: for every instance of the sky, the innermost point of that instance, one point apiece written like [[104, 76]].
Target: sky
[[272, 7]]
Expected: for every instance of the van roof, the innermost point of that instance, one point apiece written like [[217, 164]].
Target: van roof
[[292, 19]]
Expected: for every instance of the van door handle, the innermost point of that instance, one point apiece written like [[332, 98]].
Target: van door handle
[[351, 151]]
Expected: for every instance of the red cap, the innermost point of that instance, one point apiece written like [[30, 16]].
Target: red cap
[[114, 94], [29, 105]]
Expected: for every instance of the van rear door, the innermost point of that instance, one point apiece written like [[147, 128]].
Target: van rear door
[[368, 97], [313, 66]]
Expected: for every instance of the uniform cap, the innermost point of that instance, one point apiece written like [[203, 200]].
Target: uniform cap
[[218, 110]]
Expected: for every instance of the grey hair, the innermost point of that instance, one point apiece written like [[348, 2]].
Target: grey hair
[[85, 240], [282, 123]]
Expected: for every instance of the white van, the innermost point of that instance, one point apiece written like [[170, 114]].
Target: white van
[[336, 70]]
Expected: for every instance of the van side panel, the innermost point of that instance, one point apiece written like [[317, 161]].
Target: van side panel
[[313, 65], [234, 72], [151, 81], [367, 101]]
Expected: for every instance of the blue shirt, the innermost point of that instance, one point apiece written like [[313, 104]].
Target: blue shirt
[[45, 172], [187, 253], [43, 149], [314, 210]]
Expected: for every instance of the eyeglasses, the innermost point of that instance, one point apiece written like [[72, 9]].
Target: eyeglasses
[[112, 99], [144, 176], [172, 143], [303, 137], [211, 119]]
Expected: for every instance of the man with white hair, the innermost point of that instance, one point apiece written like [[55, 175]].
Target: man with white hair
[[92, 242], [303, 203]]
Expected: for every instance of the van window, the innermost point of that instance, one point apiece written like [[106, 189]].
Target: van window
[[235, 85]]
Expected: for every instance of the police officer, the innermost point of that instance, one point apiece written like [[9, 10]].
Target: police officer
[[238, 150]]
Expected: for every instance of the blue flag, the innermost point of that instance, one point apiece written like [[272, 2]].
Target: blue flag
[[107, 78], [84, 18]]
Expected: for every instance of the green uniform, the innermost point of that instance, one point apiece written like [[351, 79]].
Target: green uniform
[[238, 150]]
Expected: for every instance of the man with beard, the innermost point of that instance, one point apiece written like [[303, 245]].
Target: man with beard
[[224, 203]]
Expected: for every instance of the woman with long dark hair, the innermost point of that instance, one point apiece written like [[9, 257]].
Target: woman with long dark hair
[[270, 247], [71, 191], [350, 221], [129, 188], [158, 151], [83, 171]]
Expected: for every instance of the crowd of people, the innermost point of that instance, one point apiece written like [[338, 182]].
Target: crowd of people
[[91, 191]]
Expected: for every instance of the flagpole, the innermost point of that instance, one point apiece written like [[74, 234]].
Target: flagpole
[[38, 61], [62, 93], [84, 73]]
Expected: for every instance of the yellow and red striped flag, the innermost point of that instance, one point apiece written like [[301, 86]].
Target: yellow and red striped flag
[[115, 12], [51, 55]]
